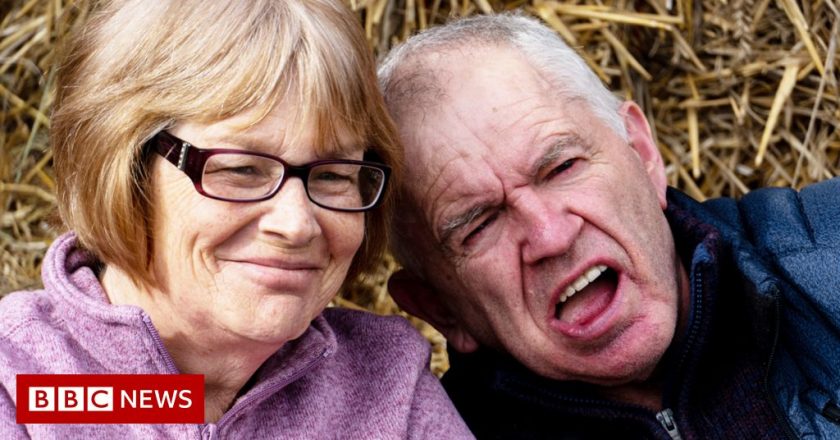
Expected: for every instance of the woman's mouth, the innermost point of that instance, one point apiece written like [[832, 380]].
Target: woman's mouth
[[277, 275]]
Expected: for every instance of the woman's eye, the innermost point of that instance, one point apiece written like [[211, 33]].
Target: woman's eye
[[244, 170], [480, 228], [241, 171], [561, 168], [329, 176]]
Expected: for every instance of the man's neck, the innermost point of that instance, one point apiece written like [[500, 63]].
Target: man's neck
[[647, 395]]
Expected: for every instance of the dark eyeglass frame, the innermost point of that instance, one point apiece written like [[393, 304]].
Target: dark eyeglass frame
[[191, 160]]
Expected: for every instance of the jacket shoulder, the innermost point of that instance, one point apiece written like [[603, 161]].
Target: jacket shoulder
[[21, 311], [774, 222], [31, 330], [782, 220], [798, 233], [365, 332]]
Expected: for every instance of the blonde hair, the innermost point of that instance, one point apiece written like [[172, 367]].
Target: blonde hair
[[136, 67]]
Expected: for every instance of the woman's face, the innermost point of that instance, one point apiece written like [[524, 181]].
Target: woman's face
[[258, 271]]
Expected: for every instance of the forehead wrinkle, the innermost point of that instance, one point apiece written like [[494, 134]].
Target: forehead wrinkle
[[427, 202], [524, 102], [451, 225], [460, 150], [433, 184]]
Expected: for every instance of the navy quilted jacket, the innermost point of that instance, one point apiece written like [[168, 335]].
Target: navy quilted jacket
[[788, 245]]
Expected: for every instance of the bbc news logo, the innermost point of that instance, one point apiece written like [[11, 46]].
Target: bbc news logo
[[71, 399], [110, 398]]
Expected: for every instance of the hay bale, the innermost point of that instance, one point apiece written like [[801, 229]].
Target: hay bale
[[741, 94]]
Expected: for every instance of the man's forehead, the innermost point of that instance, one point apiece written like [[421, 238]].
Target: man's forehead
[[483, 128], [446, 171], [477, 123]]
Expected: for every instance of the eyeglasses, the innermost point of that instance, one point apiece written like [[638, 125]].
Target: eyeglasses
[[248, 176]]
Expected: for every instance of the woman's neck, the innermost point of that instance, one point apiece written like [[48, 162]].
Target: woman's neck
[[195, 346]]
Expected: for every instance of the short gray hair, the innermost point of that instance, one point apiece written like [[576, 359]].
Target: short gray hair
[[540, 46]]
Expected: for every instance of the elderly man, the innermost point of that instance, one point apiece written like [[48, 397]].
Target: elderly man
[[581, 297]]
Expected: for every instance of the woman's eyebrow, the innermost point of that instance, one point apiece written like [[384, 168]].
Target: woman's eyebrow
[[244, 140]]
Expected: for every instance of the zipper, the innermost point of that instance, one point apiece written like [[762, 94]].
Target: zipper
[[272, 389], [169, 363], [666, 419], [209, 432], [697, 310], [167, 359], [774, 405]]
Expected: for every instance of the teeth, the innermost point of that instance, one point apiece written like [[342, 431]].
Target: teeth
[[594, 273], [584, 280]]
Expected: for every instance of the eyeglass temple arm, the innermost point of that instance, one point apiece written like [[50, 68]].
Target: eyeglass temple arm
[[174, 150]]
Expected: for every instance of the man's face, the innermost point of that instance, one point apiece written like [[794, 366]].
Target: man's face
[[543, 230]]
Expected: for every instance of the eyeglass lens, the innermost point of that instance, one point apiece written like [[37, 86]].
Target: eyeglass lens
[[333, 185]]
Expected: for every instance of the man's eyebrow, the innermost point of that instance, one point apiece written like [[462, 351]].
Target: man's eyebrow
[[551, 154], [453, 224]]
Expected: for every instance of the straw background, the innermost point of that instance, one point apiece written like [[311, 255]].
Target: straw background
[[741, 94]]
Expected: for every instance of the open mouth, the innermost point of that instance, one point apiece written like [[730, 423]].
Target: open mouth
[[587, 297]]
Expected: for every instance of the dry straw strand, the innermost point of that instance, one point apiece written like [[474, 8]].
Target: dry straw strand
[[785, 87]]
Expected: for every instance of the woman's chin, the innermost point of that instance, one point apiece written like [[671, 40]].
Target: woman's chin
[[272, 331], [252, 304]]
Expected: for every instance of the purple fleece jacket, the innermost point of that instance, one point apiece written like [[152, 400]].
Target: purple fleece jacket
[[352, 375]]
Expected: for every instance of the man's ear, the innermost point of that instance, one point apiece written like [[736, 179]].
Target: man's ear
[[641, 139], [417, 297]]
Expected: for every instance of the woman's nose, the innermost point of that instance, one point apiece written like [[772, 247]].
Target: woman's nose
[[291, 215]]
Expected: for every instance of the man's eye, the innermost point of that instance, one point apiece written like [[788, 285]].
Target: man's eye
[[480, 228], [560, 168]]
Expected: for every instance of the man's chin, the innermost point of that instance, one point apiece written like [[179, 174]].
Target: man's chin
[[603, 368]]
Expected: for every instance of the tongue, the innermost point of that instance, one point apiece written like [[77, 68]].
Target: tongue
[[587, 304]]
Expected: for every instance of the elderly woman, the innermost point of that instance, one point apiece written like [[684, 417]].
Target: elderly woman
[[223, 169]]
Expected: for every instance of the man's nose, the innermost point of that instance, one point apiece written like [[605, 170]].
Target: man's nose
[[291, 215], [548, 228]]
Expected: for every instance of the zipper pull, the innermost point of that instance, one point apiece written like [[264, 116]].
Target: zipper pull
[[666, 419], [832, 412]]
